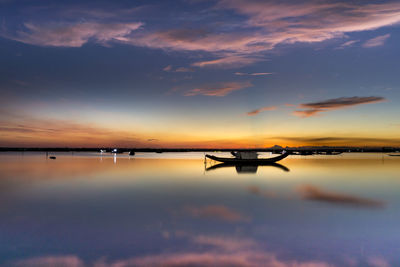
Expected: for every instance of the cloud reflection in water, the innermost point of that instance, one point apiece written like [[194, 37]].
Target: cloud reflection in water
[[204, 251], [219, 212], [314, 193]]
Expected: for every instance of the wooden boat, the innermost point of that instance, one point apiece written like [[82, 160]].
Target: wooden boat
[[394, 155], [254, 161]]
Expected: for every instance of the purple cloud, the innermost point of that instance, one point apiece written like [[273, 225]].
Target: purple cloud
[[222, 89], [377, 41], [315, 108]]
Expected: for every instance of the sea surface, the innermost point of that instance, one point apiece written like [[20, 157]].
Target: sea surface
[[175, 209]]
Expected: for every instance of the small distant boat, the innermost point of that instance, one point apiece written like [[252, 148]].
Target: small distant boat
[[248, 158], [116, 151], [102, 151], [394, 155], [329, 153], [132, 153], [52, 157], [303, 153]]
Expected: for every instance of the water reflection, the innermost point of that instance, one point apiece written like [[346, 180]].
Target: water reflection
[[205, 251], [314, 193], [246, 168], [166, 210]]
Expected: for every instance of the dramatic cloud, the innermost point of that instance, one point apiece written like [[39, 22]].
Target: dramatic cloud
[[222, 89], [313, 193], [377, 41], [256, 111], [336, 103], [269, 24], [314, 21], [217, 212], [235, 43]]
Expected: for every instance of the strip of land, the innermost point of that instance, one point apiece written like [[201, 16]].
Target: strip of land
[[275, 149]]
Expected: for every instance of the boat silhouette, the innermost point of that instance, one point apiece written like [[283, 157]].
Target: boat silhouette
[[248, 160]]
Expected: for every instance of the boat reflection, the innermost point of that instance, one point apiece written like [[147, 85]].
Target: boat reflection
[[246, 168]]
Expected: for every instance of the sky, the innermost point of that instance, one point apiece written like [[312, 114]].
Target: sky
[[199, 73]]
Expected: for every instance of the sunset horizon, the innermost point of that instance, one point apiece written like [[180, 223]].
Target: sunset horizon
[[199, 74]]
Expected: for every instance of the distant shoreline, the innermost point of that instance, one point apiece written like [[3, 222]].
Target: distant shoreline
[[161, 150]]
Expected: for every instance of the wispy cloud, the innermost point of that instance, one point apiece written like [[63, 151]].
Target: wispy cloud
[[74, 35], [223, 243], [253, 74], [257, 111], [377, 41], [216, 212], [222, 89], [48, 261], [183, 69], [25, 130], [347, 44], [314, 108], [314, 21], [340, 140], [169, 68], [228, 62], [314, 193]]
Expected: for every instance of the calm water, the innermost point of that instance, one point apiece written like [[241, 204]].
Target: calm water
[[84, 209]]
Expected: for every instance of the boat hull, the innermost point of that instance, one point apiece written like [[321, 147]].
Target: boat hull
[[236, 161]]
